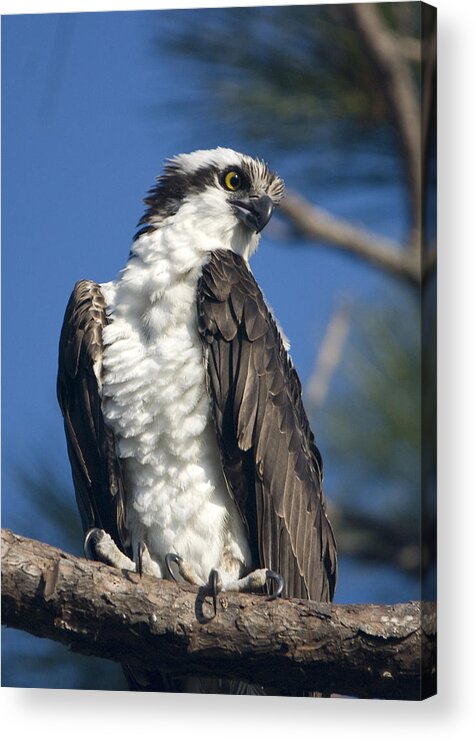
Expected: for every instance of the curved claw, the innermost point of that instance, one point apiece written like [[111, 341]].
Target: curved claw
[[214, 588], [172, 557], [140, 553], [91, 538], [279, 580]]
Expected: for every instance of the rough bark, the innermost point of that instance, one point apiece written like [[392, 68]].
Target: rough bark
[[360, 650]]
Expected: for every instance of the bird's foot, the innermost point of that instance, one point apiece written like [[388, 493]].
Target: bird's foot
[[215, 585], [144, 563], [187, 572], [257, 580], [99, 545], [253, 582], [184, 568]]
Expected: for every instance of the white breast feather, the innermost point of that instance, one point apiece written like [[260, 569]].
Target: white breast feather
[[155, 399]]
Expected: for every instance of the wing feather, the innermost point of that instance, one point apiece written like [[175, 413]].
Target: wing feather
[[97, 471], [271, 463]]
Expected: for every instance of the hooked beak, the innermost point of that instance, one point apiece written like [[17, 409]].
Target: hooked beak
[[254, 211]]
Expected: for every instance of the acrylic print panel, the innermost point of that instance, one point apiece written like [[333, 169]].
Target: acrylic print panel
[[187, 435]]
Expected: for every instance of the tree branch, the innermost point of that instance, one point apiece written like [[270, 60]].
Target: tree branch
[[318, 224], [399, 88], [429, 44], [329, 355], [409, 47], [364, 651]]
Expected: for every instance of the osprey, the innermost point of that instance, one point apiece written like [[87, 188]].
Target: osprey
[[191, 452]]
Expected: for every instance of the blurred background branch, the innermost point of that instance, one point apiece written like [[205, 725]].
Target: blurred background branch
[[329, 355], [398, 85], [317, 224]]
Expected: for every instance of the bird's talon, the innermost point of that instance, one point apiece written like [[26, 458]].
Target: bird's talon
[[279, 580], [91, 539], [214, 586], [140, 554], [172, 557]]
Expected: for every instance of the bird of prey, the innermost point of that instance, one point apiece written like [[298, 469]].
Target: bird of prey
[[191, 452]]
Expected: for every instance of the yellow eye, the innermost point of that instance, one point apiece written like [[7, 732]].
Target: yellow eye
[[232, 180]]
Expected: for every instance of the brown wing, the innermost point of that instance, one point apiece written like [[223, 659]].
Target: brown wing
[[270, 461], [96, 469]]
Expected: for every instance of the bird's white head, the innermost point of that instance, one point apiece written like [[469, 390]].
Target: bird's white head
[[219, 198]]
